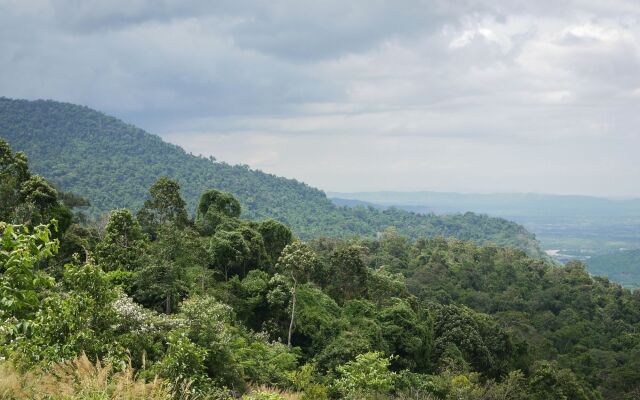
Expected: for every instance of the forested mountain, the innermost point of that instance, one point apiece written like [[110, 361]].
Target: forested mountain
[[112, 163]]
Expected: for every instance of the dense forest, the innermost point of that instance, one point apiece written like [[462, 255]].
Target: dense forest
[[112, 163], [160, 304]]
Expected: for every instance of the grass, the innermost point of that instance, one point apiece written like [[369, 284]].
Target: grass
[[78, 379], [268, 393]]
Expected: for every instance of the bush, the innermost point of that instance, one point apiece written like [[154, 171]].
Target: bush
[[368, 377]]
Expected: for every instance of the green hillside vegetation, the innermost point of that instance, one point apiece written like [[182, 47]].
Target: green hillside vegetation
[[579, 225], [112, 163], [621, 266], [159, 305]]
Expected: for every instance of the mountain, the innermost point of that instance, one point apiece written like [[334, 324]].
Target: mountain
[[113, 163]]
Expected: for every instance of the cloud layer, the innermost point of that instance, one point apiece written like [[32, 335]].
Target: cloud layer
[[362, 95]]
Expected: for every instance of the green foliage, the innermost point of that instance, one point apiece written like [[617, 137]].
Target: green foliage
[[367, 377], [317, 317], [79, 320], [266, 363], [221, 202], [305, 379], [25, 198], [184, 365], [164, 281], [276, 237], [620, 266], [227, 251], [163, 206], [462, 333], [38, 192], [383, 284], [14, 171], [407, 334], [297, 262], [20, 281], [550, 382], [210, 326], [257, 256], [348, 273], [38, 204], [123, 246], [216, 209]]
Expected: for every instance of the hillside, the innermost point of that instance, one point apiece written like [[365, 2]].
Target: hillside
[[621, 266], [570, 227], [113, 163]]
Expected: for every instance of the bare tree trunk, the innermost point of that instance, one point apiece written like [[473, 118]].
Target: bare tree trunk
[[293, 310], [167, 304]]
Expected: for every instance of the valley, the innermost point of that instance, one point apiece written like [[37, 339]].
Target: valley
[[568, 227]]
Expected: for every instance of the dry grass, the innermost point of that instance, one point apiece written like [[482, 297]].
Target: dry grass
[[78, 379], [268, 390]]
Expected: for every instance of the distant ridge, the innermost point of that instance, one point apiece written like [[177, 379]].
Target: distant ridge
[[113, 163], [499, 204]]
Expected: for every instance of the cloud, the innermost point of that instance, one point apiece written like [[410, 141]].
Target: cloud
[[498, 96]]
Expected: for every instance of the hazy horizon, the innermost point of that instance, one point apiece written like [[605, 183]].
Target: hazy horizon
[[331, 193], [503, 97]]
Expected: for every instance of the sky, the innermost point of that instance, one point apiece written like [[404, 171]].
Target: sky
[[468, 96]]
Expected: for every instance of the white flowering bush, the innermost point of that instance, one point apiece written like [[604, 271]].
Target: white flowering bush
[[132, 317]]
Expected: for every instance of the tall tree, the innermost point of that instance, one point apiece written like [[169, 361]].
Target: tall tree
[[216, 209], [163, 206], [164, 281], [348, 272], [123, 246], [221, 202], [297, 261], [276, 236], [228, 251], [14, 171]]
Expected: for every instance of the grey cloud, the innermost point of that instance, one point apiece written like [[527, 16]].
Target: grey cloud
[[355, 95]]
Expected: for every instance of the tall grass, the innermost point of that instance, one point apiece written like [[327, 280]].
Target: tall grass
[[78, 379], [269, 393]]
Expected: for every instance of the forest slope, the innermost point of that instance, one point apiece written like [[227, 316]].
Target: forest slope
[[112, 163], [621, 266]]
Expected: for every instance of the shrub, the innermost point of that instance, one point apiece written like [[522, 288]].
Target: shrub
[[368, 377]]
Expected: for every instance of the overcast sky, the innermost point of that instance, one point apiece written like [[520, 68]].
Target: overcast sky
[[494, 96]]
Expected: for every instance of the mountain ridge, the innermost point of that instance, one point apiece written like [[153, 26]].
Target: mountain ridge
[[112, 163]]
